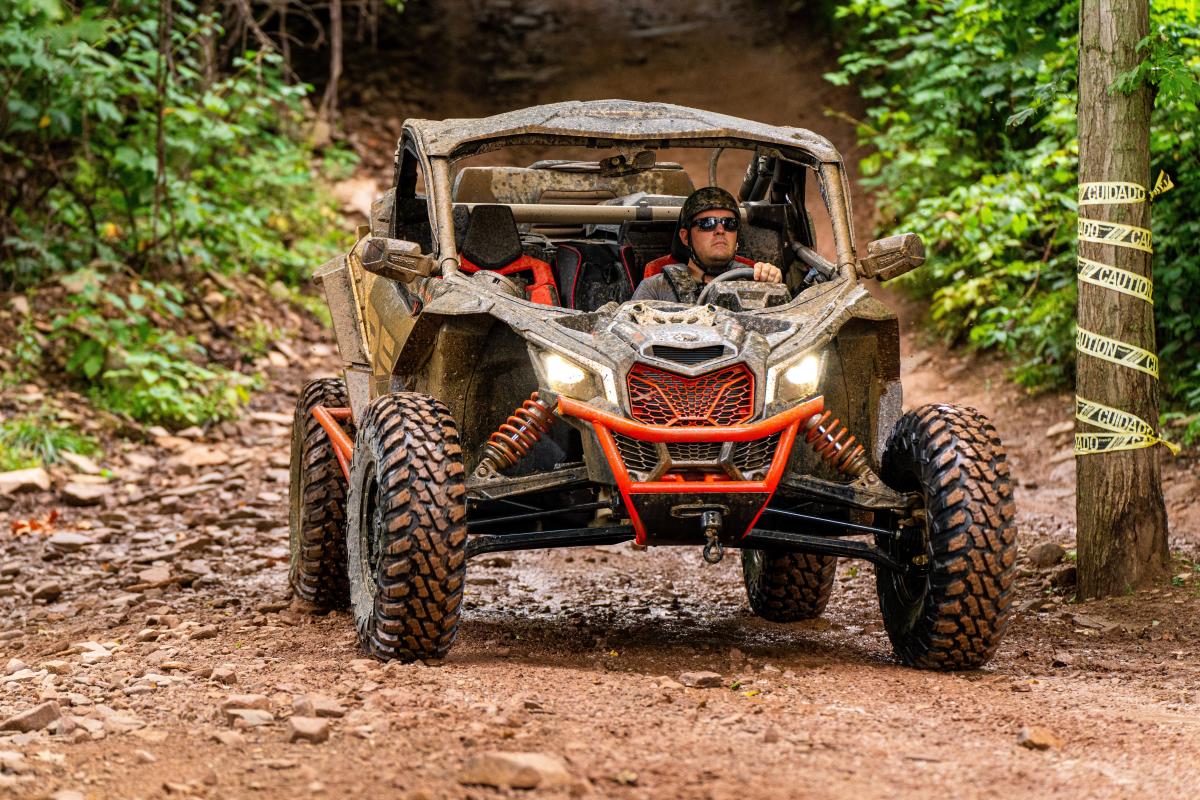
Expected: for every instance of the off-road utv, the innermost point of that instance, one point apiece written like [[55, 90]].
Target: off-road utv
[[501, 391]]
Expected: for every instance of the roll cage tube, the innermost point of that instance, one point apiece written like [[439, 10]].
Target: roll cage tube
[[834, 192]]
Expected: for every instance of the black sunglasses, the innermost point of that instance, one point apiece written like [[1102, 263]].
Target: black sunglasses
[[708, 224]]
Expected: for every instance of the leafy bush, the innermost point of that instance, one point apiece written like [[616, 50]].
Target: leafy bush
[[35, 439], [114, 151], [126, 147], [973, 125], [125, 350]]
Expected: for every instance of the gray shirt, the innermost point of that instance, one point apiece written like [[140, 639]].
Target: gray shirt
[[674, 284], [656, 287]]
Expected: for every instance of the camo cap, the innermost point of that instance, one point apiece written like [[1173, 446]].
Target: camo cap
[[706, 199]]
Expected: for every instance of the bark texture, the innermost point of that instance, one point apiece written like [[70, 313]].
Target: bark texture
[[1122, 520]]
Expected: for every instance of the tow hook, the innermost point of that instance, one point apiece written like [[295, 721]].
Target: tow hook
[[714, 551]]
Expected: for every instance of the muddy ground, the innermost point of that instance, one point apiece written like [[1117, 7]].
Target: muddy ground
[[140, 615]]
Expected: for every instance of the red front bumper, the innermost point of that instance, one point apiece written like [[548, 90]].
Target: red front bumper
[[787, 423]]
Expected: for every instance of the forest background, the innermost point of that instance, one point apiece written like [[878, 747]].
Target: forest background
[[145, 145]]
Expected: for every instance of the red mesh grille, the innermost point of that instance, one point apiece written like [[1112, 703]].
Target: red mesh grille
[[723, 397]]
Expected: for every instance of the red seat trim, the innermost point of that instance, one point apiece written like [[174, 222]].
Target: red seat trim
[[542, 289]]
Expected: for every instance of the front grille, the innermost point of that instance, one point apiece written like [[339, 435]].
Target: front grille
[[721, 397], [683, 355], [638, 456], [694, 451], [755, 456]]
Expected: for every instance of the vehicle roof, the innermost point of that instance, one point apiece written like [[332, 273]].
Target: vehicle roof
[[617, 120]]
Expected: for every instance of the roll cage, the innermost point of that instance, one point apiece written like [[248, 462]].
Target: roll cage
[[782, 154]]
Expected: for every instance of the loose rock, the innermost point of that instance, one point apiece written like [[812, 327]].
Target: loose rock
[[84, 494], [48, 591], [68, 542], [308, 729], [1036, 738], [209, 632], [256, 701], [224, 673], [701, 680], [1046, 554], [34, 479], [514, 770], [34, 719], [81, 463], [249, 717], [158, 575], [229, 738]]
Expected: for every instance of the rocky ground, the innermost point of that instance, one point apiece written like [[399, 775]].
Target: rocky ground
[[150, 648]]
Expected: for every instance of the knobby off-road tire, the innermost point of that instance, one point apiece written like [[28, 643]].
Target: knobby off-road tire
[[787, 587], [406, 533], [954, 615], [317, 516]]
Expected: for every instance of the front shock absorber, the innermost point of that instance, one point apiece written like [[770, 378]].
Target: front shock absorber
[[519, 433], [834, 443]]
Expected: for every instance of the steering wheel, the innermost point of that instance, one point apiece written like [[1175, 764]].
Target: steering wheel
[[739, 274]]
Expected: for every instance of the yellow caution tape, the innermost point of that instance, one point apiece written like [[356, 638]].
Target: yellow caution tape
[[1123, 431], [1115, 278], [1115, 233], [1163, 185], [1118, 352], [1106, 192]]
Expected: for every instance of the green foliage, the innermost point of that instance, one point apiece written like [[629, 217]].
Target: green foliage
[[139, 155], [36, 439], [134, 363], [91, 105], [973, 123]]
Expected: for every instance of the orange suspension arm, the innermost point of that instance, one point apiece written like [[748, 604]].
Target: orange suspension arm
[[343, 447]]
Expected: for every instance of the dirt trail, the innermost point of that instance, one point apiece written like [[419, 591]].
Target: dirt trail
[[155, 606]]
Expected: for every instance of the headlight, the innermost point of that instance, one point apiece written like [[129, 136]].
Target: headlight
[[803, 375], [563, 375], [795, 379], [573, 375]]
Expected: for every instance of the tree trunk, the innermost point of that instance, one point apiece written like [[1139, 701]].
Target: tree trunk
[[1121, 518], [329, 103], [208, 45]]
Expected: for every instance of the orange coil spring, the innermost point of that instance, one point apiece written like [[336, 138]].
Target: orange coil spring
[[520, 432], [834, 443]]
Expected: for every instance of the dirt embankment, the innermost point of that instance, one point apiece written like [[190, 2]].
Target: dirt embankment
[[149, 648]]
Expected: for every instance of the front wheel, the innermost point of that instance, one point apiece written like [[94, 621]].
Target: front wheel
[[787, 587], [950, 612], [317, 499], [406, 528]]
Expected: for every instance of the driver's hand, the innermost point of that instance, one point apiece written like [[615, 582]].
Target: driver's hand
[[767, 272]]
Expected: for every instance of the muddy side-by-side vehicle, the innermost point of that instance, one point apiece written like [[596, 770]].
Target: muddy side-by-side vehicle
[[501, 391]]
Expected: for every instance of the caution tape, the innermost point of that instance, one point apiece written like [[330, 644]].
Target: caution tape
[[1116, 352], [1120, 430], [1115, 278], [1163, 185], [1109, 192], [1100, 193], [1115, 233]]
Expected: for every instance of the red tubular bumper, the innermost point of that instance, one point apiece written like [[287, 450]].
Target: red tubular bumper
[[342, 446], [605, 424]]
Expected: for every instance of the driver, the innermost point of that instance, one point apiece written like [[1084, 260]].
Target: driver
[[708, 225]]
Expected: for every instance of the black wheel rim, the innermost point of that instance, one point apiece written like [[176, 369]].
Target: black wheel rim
[[296, 487], [371, 525], [910, 588], [752, 565]]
